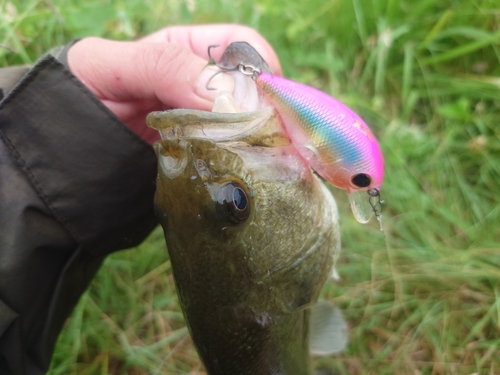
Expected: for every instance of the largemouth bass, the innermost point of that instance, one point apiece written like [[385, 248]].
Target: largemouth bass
[[252, 235]]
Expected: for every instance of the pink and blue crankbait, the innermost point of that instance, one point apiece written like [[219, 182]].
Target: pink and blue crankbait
[[332, 138]]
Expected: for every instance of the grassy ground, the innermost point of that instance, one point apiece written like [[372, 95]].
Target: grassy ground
[[423, 298]]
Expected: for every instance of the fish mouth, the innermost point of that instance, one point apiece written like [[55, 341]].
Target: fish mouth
[[242, 115], [258, 128]]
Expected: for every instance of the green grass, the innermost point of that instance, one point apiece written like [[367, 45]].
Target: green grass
[[424, 298]]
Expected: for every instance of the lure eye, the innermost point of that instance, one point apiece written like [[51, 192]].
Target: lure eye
[[232, 203], [361, 180]]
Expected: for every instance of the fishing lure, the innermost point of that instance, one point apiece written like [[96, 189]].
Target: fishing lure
[[333, 139]]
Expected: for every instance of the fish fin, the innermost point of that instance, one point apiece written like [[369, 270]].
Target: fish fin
[[328, 333], [335, 275]]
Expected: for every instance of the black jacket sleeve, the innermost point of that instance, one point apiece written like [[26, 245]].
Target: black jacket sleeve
[[75, 185]]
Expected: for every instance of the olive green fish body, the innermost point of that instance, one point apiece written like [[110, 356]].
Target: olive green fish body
[[252, 235]]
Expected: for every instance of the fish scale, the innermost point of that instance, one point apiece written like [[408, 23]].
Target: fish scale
[[331, 137]]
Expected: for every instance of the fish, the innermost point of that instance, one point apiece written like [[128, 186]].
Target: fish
[[331, 137], [252, 234]]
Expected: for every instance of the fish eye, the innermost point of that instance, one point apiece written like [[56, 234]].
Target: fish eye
[[361, 180], [232, 203]]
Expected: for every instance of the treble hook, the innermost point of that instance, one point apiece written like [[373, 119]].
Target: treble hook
[[376, 203], [247, 70], [212, 61]]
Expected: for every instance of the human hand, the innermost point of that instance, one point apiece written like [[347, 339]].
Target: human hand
[[161, 71]]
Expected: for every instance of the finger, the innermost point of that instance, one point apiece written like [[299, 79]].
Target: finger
[[198, 38], [127, 71], [150, 135]]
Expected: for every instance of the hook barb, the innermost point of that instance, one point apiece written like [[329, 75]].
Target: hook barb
[[376, 203], [212, 61], [210, 79]]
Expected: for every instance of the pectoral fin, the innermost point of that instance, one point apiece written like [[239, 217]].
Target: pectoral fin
[[328, 330]]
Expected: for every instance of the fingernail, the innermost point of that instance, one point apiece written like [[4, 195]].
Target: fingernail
[[220, 82]]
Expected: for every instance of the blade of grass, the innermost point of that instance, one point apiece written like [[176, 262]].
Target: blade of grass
[[460, 51]]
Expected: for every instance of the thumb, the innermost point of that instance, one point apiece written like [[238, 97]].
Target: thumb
[[145, 72]]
